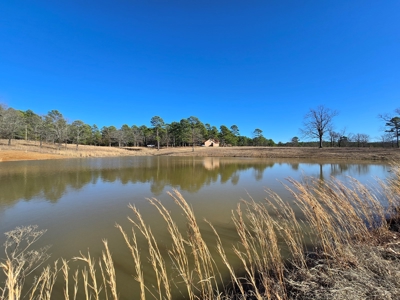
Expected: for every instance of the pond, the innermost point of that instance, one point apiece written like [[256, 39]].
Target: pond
[[79, 201]]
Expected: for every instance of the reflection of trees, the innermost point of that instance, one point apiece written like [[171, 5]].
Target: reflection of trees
[[321, 172], [259, 171], [356, 169], [51, 179], [50, 182], [341, 168], [235, 178], [337, 169]]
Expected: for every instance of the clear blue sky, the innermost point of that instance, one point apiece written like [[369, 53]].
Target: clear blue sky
[[256, 64]]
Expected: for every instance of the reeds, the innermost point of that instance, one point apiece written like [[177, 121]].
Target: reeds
[[338, 219]]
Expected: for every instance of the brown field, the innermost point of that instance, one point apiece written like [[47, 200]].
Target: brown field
[[29, 150]]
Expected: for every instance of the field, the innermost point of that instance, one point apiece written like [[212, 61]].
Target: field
[[29, 150]]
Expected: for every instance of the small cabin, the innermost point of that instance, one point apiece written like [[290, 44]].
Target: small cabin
[[211, 143]]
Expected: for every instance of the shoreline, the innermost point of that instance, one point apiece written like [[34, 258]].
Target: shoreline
[[26, 150]]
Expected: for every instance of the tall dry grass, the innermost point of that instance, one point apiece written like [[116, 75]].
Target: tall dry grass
[[346, 224]]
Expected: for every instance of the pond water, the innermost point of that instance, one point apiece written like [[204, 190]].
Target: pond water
[[79, 201]]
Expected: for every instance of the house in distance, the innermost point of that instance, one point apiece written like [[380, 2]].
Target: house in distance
[[211, 143]]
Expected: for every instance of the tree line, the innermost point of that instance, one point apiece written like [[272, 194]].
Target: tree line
[[54, 127], [318, 123]]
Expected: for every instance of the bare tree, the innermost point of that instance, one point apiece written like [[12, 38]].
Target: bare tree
[[334, 137], [11, 121], [57, 125], [387, 138], [79, 131], [123, 135], [317, 122], [136, 135], [43, 129], [195, 130], [364, 139], [361, 139], [337, 137], [167, 135], [356, 138]]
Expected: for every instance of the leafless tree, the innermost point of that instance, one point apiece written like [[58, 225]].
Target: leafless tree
[[122, 137], [79, 131], [387, 139], [317, 122], [137, 135], [334, 137], [11, 121], [337, 137], [195, 130], [41, 129], [167, 133], [364, 139], [58, 126], [361, 139]]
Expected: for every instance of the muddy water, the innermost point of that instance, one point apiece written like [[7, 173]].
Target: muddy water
[[79, 201]]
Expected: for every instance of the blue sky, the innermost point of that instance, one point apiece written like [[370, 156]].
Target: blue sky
[[256, 64]]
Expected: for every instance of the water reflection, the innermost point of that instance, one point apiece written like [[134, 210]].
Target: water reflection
[[52, 179], [80, 200]]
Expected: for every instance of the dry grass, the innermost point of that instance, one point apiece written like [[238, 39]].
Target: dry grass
[[355, 253], [309, 153], [30, 150]]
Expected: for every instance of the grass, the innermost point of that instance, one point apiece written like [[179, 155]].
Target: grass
[[27, 150], [349, 250]]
